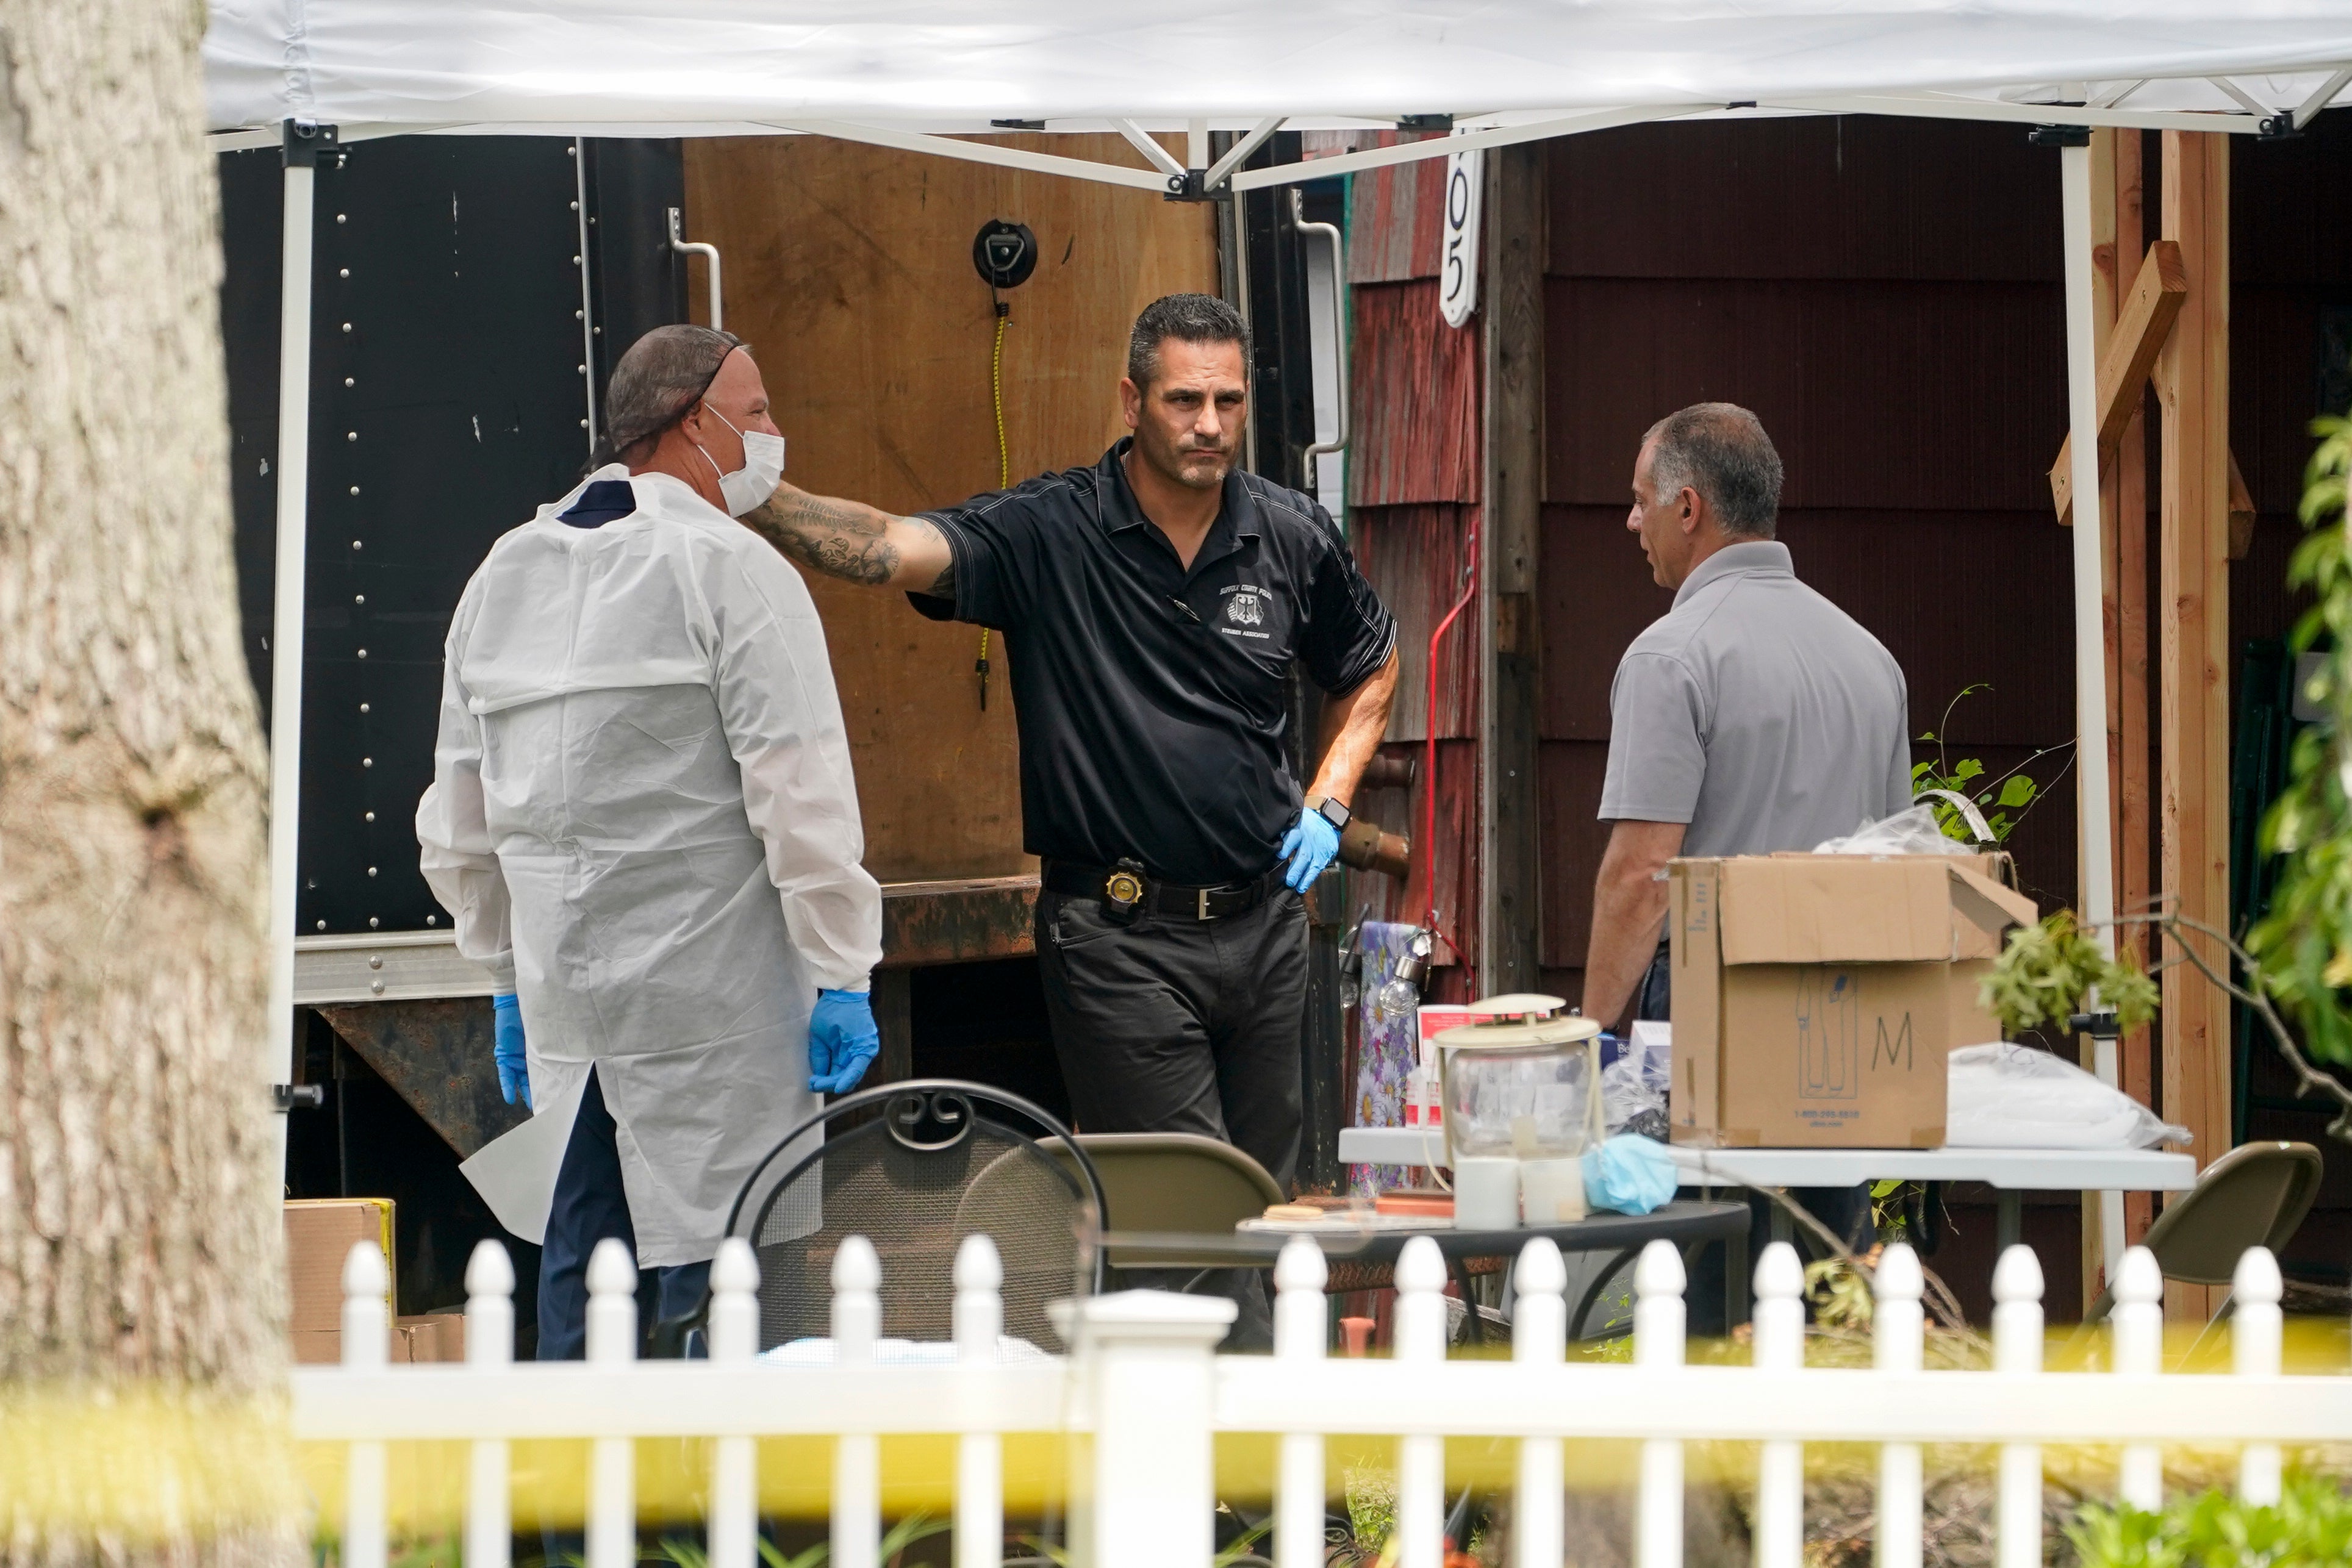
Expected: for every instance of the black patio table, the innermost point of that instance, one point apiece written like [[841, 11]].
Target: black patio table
[[1689, 1225]]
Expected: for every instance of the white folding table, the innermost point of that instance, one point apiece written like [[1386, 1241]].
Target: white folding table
[[2010, 1172]]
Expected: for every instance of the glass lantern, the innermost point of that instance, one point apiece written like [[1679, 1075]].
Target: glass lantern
[[1520, 1083]]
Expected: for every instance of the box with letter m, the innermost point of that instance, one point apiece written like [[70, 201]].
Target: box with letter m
[[1816, 997]]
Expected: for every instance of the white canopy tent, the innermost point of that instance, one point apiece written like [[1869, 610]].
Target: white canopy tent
[[914, 73]]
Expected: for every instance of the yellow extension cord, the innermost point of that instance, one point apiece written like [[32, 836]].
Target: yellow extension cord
[[1003, 458]]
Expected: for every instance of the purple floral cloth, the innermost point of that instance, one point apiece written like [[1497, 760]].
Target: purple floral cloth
[[1388, 1047]]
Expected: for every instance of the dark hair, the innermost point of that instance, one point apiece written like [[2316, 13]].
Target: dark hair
[[1720, 450], [1188, 317], [657, 384]]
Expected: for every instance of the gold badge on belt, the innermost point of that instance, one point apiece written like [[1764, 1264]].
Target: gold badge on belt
[[1123, 889]]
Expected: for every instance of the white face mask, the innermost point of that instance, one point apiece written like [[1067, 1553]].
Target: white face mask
[[763, 464]]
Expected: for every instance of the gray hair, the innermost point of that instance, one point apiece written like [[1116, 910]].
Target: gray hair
[[1188, 318], [657, 384], [1720, 450]]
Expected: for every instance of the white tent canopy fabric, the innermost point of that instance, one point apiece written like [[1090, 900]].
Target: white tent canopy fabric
[[955, 65]]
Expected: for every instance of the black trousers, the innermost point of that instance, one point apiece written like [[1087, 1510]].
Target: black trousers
[[591, 1204], [1168, 1026], [1845, 1210]]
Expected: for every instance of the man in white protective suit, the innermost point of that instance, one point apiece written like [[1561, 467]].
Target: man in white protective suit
[[643, 822]]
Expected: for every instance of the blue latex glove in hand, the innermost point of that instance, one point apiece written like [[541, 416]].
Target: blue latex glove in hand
[[842, 1038], [514, 1069], [1309, 847], [1629, 1173]]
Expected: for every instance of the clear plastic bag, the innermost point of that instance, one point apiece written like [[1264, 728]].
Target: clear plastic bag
[[1907, 833], [1633, 1093], [2008, 1096]]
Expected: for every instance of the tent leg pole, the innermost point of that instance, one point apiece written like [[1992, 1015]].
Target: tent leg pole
[[285, 621], [2096, 899]]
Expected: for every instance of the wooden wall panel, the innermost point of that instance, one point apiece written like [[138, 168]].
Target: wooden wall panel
[[1884, 296], [1855, 196], [1392, 214], [848, 268], [1414, 557], [1415, 471], [1416, 401], [1960, 598], [1878, 393]]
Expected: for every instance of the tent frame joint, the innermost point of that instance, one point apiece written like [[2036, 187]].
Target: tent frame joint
[[2059, 135], [1192, 185], [305, 144]]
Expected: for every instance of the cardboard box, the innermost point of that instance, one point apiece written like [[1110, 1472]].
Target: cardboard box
[[320, 1233], [1816, 997], [430, 1336]]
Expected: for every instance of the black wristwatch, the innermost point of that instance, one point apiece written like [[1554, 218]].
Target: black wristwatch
[[1330, 810]]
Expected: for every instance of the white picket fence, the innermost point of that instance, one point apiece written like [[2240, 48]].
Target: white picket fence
[[1143, 1383]]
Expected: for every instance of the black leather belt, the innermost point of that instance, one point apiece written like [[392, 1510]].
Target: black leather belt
[[1166, 899]]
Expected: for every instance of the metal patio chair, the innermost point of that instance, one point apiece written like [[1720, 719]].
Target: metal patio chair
[[915, 1168], [1169, 1184], [2255, 1196]]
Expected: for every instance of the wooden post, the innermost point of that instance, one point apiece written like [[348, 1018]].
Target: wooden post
[[2192, 378], [2127, 510], [1509, 902], [2119, 246]]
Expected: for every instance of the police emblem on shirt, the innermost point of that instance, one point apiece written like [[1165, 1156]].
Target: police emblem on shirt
[[1245, 610]]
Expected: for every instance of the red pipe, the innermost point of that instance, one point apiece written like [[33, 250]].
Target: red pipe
[[1428, 724]]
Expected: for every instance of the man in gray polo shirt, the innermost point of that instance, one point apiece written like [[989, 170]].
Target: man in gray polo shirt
[[1756, 715]]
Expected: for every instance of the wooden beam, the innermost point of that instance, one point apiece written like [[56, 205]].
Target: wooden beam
[[2139, 333], [2241, 513], [1510, 905], [2193, 381]]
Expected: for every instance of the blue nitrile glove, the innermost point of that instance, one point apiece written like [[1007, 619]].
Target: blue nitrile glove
[[514, 1070], [1309, 847], [1629, 1173], [842, 1040]]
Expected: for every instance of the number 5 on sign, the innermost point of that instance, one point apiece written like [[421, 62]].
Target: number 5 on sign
[[1458, 273]]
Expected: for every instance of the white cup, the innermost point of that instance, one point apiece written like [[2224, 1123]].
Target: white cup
[[1551, 1191], [1486, 1193]]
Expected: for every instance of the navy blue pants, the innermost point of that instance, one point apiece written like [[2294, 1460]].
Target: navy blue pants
[[591, 1204]]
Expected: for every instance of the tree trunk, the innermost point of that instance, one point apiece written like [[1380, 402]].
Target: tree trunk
[[141, 1332]]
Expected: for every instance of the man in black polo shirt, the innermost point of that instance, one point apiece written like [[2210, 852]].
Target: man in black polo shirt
[[1151, 606]]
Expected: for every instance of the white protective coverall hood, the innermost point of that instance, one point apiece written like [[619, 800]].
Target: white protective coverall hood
[[643, 819]]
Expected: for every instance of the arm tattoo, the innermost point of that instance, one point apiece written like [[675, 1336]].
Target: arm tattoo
[[838, 538], [944, 585]]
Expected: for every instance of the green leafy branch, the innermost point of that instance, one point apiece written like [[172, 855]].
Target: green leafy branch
[[1998, 795], [2046, 978], [2047, 973], [2305, 941]]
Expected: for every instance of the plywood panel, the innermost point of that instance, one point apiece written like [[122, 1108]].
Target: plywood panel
[[848, 268]]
